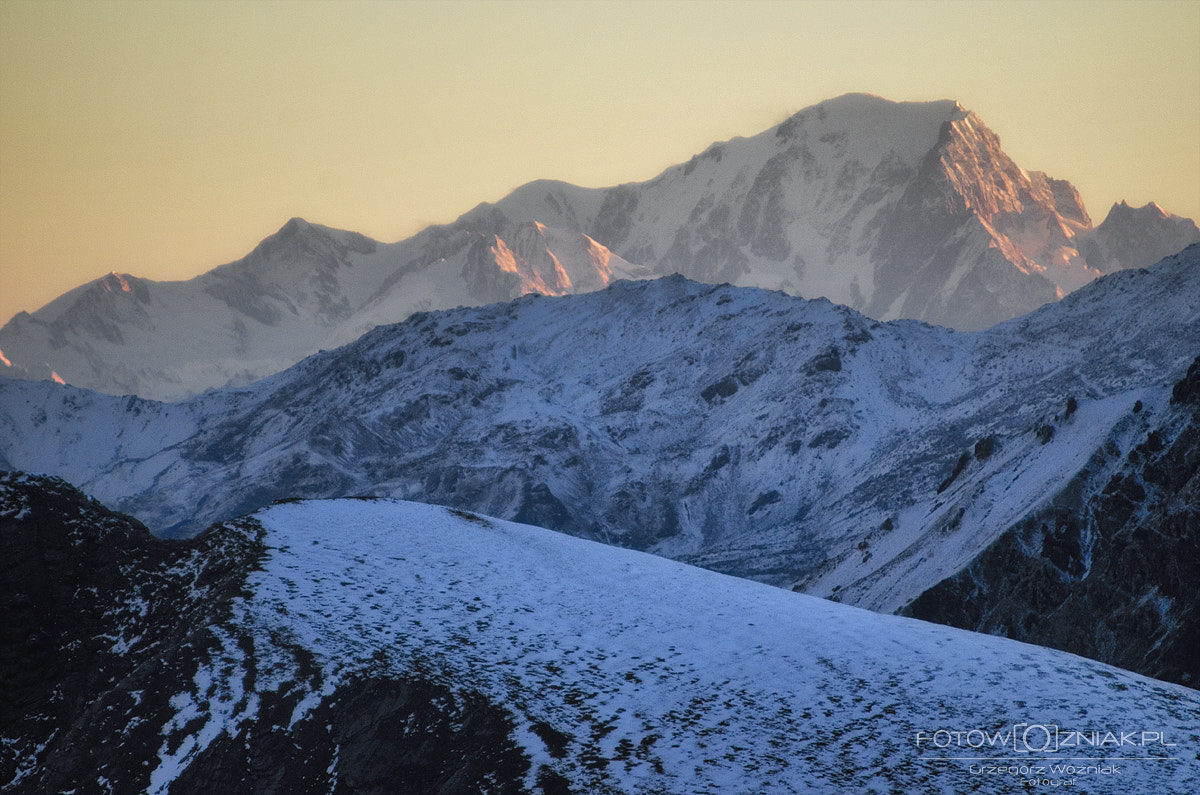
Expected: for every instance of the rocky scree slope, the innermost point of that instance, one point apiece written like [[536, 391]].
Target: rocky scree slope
[[99, 615], [378, 646], [898, 210], [797, 443]]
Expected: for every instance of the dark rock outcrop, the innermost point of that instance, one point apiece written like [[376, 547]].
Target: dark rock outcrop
[[98, 614], [373, 736], [106, 632]]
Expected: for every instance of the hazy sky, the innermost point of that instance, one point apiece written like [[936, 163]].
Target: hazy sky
[[165, 138]]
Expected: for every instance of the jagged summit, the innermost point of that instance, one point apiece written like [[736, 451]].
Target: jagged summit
[[299, 242], [1134, 237], [1123, 214], [896, 209]]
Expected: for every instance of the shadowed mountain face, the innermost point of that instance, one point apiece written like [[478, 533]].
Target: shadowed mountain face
[[1106, 567], [793, 442], [897, 210], [379, 646], [97, 613]]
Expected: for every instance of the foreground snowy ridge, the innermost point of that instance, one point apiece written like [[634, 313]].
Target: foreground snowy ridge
[[377, 646], [630, 673]]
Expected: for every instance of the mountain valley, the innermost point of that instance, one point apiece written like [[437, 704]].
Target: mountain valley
[[793, 442]]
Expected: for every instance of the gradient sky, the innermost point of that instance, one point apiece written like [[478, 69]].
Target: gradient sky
[[165, 138]]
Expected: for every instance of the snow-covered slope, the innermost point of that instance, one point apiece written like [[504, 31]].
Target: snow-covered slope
[[789, 441], [373, 635], [898, 210]]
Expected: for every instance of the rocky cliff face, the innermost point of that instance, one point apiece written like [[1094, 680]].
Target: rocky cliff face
[[1108, 567], [93, 628], [974, 239]]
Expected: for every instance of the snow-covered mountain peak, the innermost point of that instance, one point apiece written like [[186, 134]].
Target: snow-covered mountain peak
[[1134, 237], [298, 245], [872, 127], [117, 281], [294, 225], [1123, 212], [898, 209], [93, 301]]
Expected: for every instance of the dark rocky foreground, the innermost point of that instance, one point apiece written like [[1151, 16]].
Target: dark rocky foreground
[[1110, 568], [104, 624], [93, 625]]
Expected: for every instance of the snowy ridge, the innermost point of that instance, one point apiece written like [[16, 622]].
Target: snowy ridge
[[898, 210], [629, 673], [792, 442], [305, 288]]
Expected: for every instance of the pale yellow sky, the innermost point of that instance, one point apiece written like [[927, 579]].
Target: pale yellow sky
[[165, 138]]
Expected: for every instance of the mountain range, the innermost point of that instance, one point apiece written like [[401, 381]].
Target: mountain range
[[898, 210], [376, 646], [531, 503], [794, 442]]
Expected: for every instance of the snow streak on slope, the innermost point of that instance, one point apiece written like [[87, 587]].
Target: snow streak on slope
[[629, 673], [1107, 567]]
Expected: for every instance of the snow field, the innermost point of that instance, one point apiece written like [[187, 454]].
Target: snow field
[[663, 675]]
